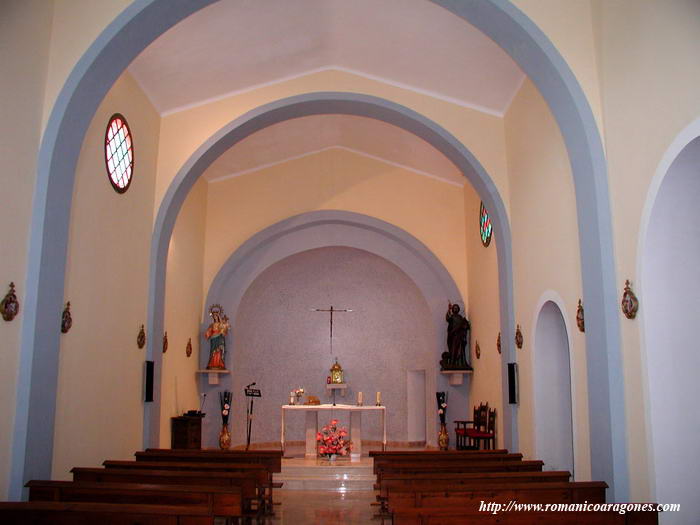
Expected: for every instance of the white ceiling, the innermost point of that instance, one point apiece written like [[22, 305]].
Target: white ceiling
[[235, 45], [307, 135]]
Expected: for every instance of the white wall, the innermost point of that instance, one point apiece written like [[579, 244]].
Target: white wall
[[552, 390], [670, 310]]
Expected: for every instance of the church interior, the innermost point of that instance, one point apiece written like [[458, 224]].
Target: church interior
[[535, 162]]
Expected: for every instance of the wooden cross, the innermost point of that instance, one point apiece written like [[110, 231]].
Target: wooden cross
[[331, 311]]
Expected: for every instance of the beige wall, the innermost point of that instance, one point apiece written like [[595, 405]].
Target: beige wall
[[99, 407], [336, 179], [24, 48], [650, 72], [183, 310], [76, 24], [546, 254], [182, 133], [568, 25], [484, 314]]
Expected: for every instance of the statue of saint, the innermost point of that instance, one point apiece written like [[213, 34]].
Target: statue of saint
[[216, 335], [457, 340]]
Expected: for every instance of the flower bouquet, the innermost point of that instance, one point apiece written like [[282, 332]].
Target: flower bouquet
[[333, 440], [296, 395]]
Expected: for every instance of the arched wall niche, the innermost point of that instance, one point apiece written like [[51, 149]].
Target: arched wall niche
[[143, 21], [335, 228], [669, 254], [580, 456], [553, 397]]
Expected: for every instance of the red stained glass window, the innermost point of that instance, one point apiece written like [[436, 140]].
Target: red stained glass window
[[119, 153]]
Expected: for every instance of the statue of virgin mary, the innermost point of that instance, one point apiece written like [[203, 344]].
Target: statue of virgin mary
[[216, 335]]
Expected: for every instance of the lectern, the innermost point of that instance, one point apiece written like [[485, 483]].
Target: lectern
[[186, 432]]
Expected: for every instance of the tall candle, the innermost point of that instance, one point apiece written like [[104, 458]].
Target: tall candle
[[379, 398], [359, 398]]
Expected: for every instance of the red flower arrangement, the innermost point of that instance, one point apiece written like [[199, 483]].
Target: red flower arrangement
[[333, 440]]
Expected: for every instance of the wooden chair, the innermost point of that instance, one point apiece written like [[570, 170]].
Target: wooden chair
[[489, 435], [465, 434]]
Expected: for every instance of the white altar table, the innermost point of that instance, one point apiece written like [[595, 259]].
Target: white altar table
[[355, 425]]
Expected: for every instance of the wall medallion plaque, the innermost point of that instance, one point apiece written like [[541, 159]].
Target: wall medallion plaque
[[141, 338], [630, 303], [498, 343], [9, 306], [66, 319], [580, 322], [518, 337], [165, 342], [188, 349]]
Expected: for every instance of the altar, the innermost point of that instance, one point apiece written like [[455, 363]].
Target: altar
[[312, 411]]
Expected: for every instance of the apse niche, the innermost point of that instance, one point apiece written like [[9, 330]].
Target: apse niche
[[281, 343]]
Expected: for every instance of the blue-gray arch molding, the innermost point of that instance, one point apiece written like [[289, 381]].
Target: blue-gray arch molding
[[142, 22], [328, 228], [331, 103]]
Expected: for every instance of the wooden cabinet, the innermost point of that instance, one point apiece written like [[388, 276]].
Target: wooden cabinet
[[186, 432]]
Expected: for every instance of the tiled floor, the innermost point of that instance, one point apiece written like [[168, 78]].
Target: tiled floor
[[302, 507]]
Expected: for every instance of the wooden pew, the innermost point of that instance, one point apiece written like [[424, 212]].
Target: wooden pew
[[440, 457], [221, 501], [246, 480], [81, 513], [482, 466], [259, 471], [271, 459], [391, 480], [432, 494]]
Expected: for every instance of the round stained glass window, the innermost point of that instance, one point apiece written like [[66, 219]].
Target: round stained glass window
[[485, 228], [119, 153]]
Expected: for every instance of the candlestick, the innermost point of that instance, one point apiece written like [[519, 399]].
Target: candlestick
[[379, 399], [359, 399]]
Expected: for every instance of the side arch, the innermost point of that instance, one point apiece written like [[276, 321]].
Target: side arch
[[316, 104]]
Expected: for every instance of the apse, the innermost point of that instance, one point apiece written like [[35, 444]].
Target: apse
[[281, 342]]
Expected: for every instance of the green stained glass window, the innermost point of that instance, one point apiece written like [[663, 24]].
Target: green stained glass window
[[485, 227]]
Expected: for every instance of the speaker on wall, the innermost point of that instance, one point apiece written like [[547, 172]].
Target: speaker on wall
[[148, 382], [513, 383]]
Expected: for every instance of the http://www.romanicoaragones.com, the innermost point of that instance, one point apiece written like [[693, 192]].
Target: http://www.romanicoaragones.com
[[621, 508]]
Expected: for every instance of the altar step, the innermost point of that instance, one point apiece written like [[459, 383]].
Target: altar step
[[341, 475]]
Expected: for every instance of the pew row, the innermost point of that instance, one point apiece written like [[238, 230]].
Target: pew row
[[81, 513], [226, 502]]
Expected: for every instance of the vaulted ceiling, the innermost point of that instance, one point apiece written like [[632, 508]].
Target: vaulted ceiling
[[238, 45]]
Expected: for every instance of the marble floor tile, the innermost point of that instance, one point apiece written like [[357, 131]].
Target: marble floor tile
[[302, 507]]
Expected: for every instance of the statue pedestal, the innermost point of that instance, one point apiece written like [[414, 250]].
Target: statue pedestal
[[456, 377], [213, 375]]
